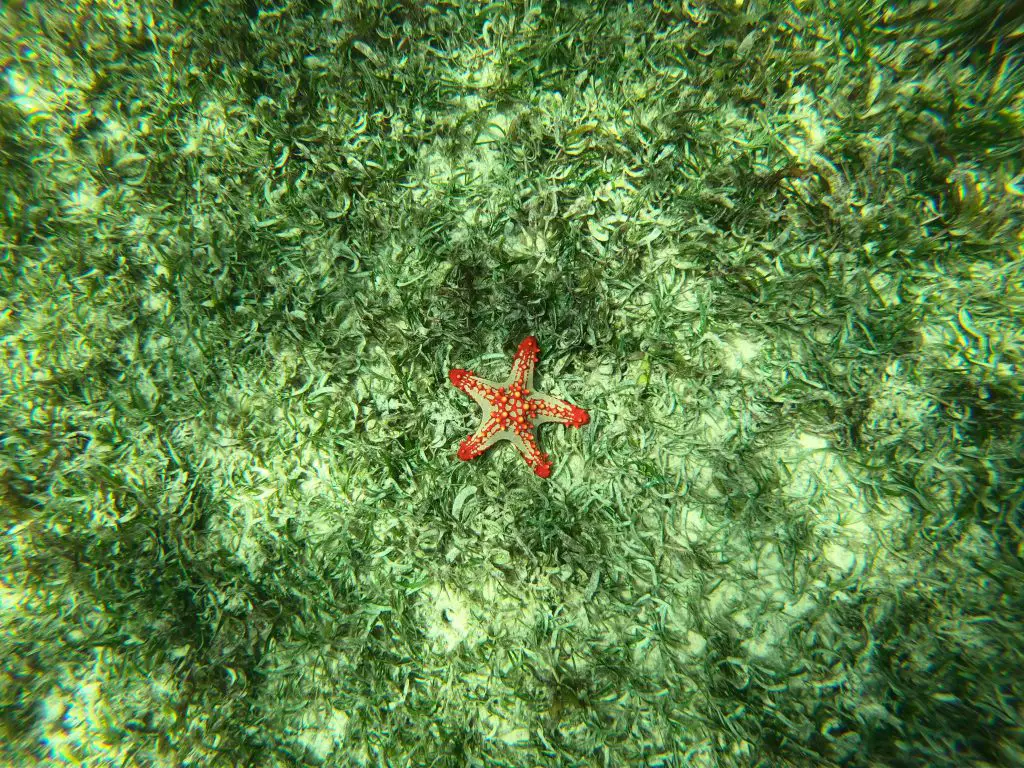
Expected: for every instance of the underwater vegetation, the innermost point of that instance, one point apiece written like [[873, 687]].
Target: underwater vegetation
[[772, 248]]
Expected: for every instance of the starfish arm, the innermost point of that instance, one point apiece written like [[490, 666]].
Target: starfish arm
[[524, 362], [552, 409], [525, 441], [478, 389], [489, 433]]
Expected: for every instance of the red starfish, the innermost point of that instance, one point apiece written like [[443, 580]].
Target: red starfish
[[512, 411]]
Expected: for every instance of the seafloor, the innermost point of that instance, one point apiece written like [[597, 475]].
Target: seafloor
[[772, 248]]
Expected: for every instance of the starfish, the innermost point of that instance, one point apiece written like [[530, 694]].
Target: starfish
[[512, 411]]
